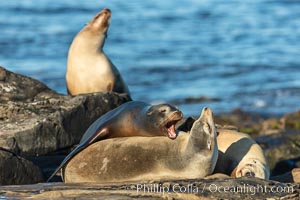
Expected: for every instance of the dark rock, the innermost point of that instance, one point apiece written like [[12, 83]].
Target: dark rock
[[15, 87], [281, 147], [192, 100], [272, 126], [35, 120], [283, 166], [292, 176], [222, 188], [245, 122], [17, 170], [291, 121]]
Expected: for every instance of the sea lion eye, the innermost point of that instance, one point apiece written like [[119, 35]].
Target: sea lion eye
[[250, 174], [149, 113], [207, 128], [163, 110]]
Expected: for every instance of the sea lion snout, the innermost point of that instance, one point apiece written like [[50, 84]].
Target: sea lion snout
[[251, 168], [168, 116], [102, 20], [106, 10], [174, 117], [206, 113]]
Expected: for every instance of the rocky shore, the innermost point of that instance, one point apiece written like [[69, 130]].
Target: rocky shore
[[38, 127]]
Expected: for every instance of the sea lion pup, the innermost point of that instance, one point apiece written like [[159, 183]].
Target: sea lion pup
[[239, 154], [190, 156], [134, 118], [89, 69]]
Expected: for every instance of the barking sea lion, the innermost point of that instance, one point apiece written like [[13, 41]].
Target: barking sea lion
[[133, 118], [190, 156]]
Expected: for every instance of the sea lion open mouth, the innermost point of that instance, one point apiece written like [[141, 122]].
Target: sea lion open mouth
[[171, 122]]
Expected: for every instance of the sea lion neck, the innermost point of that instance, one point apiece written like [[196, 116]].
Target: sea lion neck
[[91, 39], [203, 134]]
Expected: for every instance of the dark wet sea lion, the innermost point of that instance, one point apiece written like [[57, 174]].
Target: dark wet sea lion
[[89, 69], [191, 155], [133, 118]]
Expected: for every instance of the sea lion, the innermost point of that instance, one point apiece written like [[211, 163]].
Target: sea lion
[[239, 154], [89, 69], [190, 156], [134, 118]]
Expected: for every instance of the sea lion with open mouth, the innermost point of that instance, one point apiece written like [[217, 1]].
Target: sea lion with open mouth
[[134, 118], [190, 156]]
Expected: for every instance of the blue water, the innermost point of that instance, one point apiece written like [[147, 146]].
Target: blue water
[[247, 53]]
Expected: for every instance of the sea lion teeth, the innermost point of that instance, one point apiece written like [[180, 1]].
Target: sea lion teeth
[[171, 131]]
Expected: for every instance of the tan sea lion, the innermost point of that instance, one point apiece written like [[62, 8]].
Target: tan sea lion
[[239, 154], [134, 118], [89, 69], [191, 155]]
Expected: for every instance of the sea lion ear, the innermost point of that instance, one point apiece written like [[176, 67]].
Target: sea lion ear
[[149, 112]]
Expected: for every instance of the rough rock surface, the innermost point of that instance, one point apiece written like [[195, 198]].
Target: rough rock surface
[[35, 120], [222, 188], [17, 170], [38, 123], [281, 147]]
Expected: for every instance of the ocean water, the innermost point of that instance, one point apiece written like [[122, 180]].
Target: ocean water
[[246, 54]]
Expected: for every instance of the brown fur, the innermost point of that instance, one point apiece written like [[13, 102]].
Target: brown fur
[[147, 158], [133, 118]]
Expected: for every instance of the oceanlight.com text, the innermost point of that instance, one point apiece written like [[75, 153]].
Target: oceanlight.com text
[[213, 188]]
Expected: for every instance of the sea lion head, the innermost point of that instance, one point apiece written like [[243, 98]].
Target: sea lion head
[[251, 168], [100, 23], [162, 118], [204, 129]]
